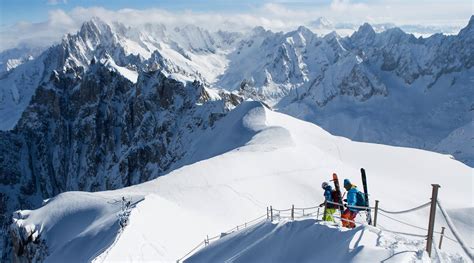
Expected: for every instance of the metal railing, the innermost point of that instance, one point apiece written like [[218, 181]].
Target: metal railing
[[314, 211]]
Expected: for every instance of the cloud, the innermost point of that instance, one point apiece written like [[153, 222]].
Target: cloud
[[56, 2], [274, 16]]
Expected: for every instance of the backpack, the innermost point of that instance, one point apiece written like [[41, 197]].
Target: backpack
[[360, 199], [335, 198]]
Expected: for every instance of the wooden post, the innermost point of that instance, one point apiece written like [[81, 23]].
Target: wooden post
[[325, 208], [237, 228], [431, 223], [441, 237], [303, 211], [292, 212], [317, 214], [375, 212], [268, 216], [271, 213]]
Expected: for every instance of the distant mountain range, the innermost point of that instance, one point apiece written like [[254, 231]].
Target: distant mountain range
[[323, 25]]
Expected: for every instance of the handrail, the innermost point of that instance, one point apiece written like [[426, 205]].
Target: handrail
[[351, 206], [277, 213], [402, 222], [406, 211], [455, 232], [192, 250]]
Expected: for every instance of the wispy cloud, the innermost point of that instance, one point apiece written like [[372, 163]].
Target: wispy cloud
[[274, 16], [56, 2]]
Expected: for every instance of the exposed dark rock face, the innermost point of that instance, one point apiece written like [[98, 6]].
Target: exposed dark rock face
[[95, 130]]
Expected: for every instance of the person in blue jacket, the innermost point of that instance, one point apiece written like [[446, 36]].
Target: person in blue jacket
[[329, 195], [350, 213]]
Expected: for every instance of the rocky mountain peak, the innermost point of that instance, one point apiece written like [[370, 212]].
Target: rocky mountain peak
[[365, 33], [469, 29], [95, 29], [259, 30], [321, 23]]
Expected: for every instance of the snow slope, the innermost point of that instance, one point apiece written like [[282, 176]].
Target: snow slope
[[308, 240], [257, 158]]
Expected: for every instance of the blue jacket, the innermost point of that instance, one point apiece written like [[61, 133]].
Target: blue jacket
[[327, 193], [352, 198]]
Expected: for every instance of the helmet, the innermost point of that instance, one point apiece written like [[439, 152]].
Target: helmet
[[324, 185], [347, 182]]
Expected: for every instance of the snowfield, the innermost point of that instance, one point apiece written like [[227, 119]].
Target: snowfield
[[310, 241], [254, 158]]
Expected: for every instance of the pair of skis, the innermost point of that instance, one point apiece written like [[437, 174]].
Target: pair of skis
[[366, 193]]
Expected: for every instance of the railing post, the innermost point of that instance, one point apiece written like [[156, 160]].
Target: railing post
[[292, 212], [303, 212], [441, 237], [271, 213], [268, 216], [325, 208], [376, 212], [434, 197], [317, 214]]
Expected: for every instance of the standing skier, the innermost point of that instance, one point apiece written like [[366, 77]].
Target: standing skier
[[331, 196], [351, 212]]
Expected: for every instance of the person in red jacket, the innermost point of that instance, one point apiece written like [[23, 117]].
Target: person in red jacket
[[350, 213]]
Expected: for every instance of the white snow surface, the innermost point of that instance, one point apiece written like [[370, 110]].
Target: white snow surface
[[256, 158], [309, 240], [131, 75]]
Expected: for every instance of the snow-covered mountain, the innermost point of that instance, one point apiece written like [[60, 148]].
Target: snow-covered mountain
[[388, 87], [12, 58], [187, 54], [97, 116], [263, 158], [114, 106], [323, 26]]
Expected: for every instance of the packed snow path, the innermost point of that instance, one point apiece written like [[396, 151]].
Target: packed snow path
[[256, 158]]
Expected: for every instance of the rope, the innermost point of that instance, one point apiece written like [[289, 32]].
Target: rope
[[214, 237], [406, 211], [306, 208], [400, 233], [351, 206], [408, 224], [196, 247], [277, 213], [451, 239], [425, 229], [455, 232], [246, 224], [282, 210]]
